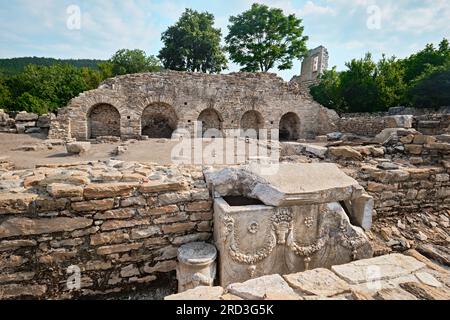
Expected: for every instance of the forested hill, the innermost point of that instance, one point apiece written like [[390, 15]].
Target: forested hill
[[16, 65]]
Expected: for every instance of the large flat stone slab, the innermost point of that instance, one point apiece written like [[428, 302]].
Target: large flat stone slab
[[261, 288], [379, 268], [305, 183], [318, 282]]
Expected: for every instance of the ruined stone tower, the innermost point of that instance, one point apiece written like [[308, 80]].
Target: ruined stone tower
[[313, 66]]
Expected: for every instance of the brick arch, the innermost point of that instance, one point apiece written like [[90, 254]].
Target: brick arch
[[103, 119], [250, 123], [210, 119], [159, 120], [289, 127]]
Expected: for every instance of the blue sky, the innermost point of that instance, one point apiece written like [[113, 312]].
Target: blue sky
[[348, 28]]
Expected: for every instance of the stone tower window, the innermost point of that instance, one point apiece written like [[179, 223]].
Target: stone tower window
[[315, 64]]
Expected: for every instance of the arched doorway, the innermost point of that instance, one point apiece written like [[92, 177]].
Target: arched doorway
[[251, 123], [159, 120], [210, 119], [103, 120], [290, 127]]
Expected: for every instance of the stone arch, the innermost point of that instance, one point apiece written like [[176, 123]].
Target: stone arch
[[290, 127], [159, 120], [251, 122], [210, 119], [103, 120]]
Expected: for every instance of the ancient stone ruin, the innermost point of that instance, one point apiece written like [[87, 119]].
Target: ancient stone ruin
[[354, 207], [154, 105]]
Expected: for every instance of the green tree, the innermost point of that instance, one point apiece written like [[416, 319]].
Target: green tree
[[390, 84], [127, 61], [5, 96], [193, 44], [418, 63], [43, 89], [432, 88], [29, 103], [263, 38], [359, 86], [329, 92], [106, 69]]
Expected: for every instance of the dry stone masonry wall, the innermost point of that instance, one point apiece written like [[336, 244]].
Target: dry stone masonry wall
[[119, 223]]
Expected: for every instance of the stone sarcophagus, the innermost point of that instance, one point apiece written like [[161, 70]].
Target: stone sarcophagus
[[299, 217]]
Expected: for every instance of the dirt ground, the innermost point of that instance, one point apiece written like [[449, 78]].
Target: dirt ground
[[154, 150]]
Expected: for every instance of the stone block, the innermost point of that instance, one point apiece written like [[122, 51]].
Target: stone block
[[379, 268]]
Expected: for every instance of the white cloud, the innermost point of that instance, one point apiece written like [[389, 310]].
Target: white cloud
[[311, 8]]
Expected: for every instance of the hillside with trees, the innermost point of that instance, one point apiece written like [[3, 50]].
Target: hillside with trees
[[15, 66]]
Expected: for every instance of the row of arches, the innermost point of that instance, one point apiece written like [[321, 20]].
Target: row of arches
[[160, 120]]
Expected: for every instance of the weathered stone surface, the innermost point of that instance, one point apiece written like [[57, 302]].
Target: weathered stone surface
[[203, 236], [115, 214], [425, 292], [13, 203], [59, 190], [394, 294], [178, 227], [25, 116], [122, 224], [159, 211], [24, 227], [163, 266], [173, 197], [11, 291], [379, 268], [78, 147], [109, 238], [16, 244], [118, 248], [316, 150], [16, 277], [428, 279], [345, 152], [319, 282], [199, 206], [157, 186], [257, 289], [181, 216], [199, 293], [107, 190], [299, 184], [93, 205], [145, 232]]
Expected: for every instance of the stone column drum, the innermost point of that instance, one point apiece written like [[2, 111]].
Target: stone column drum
[[196, 265]]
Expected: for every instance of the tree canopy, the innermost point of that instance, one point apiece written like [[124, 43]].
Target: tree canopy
[[420, 80], [263, 38], [193, 44], [127, 61]]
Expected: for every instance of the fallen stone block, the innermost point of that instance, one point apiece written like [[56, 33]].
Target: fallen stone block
[[78, 148]]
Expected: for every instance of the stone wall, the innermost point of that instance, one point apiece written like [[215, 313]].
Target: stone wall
[[188, 95], [407, 190], [24, 122], [363, 124], [119, 223]]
